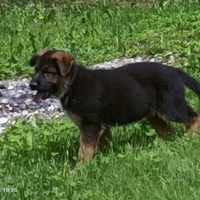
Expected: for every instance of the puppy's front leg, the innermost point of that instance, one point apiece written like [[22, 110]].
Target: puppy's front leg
[[88, 143], [86, 152]]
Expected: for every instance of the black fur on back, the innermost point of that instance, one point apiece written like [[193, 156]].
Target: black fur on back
[[130, 93]]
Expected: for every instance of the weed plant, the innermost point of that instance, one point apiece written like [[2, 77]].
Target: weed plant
[[98, 32], [36, 159]]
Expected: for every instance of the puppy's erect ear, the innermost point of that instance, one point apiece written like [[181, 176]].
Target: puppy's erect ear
[[64, 60], [33, 60]]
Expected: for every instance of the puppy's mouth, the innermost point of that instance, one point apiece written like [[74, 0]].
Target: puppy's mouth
[[41, 95]]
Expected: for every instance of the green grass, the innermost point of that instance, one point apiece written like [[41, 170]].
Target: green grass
[[98, 32], [36, 156], [36, 159]]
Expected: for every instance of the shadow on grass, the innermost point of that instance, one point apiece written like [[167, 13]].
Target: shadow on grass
[[66, 150], [136, 135], [140, 135]]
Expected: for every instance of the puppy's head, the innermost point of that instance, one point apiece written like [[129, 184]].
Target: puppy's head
[[51, 72]]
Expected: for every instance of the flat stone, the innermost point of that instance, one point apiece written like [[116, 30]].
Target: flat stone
[[11, 87], [152, 60], [51, 108], [15, 115], [36, 112], [171, 60], [138, 59], [14, 109], [24, 112], [17, 95], [32, 105], [23, 96], [4, 101], [28, 101], [3, 120], [10, 93], [20, 91]]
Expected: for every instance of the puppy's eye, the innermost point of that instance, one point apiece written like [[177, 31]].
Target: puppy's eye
[[47, 73]]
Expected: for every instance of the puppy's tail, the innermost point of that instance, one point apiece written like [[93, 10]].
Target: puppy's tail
[[190, 82]]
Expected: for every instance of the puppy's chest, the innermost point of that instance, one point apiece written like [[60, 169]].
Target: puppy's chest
[[70, 106], [69, 102], [74, 117]]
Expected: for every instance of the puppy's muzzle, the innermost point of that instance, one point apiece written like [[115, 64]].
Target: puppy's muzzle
[[34, 85]]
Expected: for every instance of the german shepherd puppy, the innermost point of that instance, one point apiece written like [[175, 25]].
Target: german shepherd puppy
[[98, 99]]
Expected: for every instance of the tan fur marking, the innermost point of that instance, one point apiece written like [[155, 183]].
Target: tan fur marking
[[65, 88], [65, 61], [43, 51], [86, 152], [88, 143], [194, 125]]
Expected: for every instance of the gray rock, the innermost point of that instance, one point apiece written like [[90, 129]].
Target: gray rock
[[14, 109], [11, 87], [152, 60], [20, 91], [36, 112], [15, 104], [3, 120], [4, 101], [17, 95], [171, 60], [24, 113], [138, 59], [32, 105], [51, 108], [28, 101]]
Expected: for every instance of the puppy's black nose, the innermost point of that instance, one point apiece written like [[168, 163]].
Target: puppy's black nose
[[33, 85]]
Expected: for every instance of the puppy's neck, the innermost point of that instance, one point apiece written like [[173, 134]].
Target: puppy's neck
[[69, 79]]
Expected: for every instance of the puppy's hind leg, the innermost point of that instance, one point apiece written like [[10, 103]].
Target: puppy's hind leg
[[187, 116], [161, 126], [105, 138], [194, 123]]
